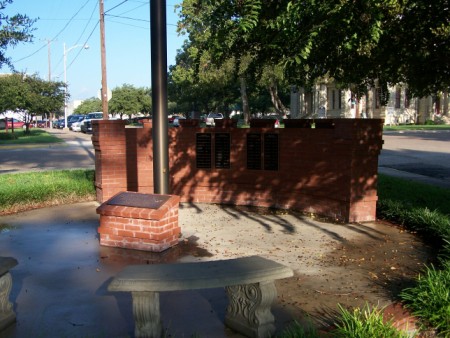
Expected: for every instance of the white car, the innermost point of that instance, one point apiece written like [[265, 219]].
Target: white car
[[210, 119], [86, 124], [76, 126]]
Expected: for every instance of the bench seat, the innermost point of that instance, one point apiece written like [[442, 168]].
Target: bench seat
[[249, 283]]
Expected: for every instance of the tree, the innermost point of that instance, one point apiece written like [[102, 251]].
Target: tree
[[13, 30], [197, 84], [220, 32], [29, 96], [90, 105], [358, 43], [130, 100]]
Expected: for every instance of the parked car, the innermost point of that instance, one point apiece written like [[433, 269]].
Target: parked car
[[42, 123], [86, 124], [74, 119], [10, 123], [58, 124], [210, 120], [76, 126], [61, 124]]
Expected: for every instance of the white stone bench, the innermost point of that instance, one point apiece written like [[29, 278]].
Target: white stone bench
[[249, 283], [7, 315]]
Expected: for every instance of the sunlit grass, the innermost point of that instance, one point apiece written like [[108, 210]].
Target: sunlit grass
[[19, 136], [363, 323], [418, 127], [38, 189]]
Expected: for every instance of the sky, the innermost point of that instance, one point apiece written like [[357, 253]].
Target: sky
[[75, 23]]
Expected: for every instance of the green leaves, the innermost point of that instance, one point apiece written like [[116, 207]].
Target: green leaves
[[130, 100], [29, 93], [88, 106], [13, 30]]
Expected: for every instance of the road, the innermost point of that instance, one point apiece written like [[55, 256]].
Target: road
[[419, 155], [75, 152]]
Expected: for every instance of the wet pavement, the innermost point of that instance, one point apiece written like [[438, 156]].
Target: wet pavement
[[60, 284]]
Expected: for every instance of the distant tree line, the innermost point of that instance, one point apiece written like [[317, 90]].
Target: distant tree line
[[29, 96], [125, 100]]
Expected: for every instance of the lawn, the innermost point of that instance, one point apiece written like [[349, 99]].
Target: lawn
[[35, 136], [405, 127], [32, 190]]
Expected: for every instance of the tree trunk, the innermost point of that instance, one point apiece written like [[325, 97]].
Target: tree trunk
[[245, 106], [280, 108]]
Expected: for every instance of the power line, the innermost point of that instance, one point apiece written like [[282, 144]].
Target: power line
[[56, 36], [84, 30], [134, 19], [127, 24], [133, 9], [127, 17], [90, 19], [115, 7], [85, 43]]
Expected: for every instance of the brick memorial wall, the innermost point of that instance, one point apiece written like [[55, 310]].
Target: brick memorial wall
[[329, 170]]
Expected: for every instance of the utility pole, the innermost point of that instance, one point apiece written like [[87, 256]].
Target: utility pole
[[104, 90]]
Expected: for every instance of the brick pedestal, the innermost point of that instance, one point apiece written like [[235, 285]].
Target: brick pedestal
[[139, 221]]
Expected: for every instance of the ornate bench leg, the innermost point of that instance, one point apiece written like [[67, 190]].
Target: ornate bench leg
[[7, 315], [248, 310], [147, 318]]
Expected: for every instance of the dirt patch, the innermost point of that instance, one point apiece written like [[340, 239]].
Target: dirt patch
[[370, 270], [333, 263]]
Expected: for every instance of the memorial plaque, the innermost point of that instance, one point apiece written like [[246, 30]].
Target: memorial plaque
[[137, 200]]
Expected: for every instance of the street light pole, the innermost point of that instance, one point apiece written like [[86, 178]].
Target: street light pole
[[65, 78]]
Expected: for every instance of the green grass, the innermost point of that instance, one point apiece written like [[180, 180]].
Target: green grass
[[19, 136], [365, 322], [358, 323], [38, 189], [424, 209], [419, 207], [418, 127], [429, 299]]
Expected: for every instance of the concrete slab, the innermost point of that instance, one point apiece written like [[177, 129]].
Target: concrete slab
[[60, 284]]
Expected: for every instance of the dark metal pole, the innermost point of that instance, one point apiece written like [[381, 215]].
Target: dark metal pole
[[159, 96]]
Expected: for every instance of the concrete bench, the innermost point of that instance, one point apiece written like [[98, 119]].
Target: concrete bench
[[249, 283], [7, 315]]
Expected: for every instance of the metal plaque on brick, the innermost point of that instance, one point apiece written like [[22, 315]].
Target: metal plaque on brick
[[138, 200]]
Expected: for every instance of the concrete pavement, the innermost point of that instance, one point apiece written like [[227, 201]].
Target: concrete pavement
[[60, 284]]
